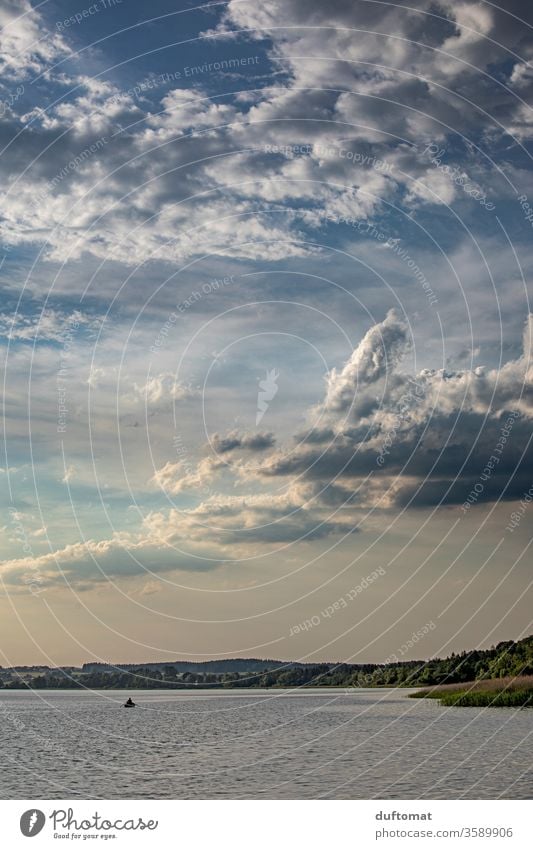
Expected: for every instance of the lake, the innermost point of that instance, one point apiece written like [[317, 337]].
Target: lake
[[275, 744]]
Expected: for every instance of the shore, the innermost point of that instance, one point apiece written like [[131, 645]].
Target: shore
[[492, 692]]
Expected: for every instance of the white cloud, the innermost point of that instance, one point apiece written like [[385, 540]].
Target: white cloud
[[51, 325], [70, 474], [377, 353], [84, 564], [163, 387], [184, 474], [26, 47]]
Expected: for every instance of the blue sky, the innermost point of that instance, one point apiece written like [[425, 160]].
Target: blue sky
[[264, 317]]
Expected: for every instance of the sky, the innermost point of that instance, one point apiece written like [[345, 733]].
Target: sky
[[265, 329]]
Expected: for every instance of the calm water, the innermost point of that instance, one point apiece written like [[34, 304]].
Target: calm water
[[257, 744]]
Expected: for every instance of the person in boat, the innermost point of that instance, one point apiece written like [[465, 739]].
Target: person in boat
[[130, 702]]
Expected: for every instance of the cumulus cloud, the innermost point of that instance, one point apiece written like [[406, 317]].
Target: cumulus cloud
[[424, 438], [378, 352], [25, 44], [386, 438], [429, 51]]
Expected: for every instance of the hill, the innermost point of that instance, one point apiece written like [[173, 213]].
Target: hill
[[507, 659]]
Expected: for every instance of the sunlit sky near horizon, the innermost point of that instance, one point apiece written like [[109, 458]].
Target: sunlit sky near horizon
[[265, 325]]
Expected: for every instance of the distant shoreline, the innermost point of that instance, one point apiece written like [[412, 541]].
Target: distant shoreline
[[508, 660], [218, 688], [505, 692]]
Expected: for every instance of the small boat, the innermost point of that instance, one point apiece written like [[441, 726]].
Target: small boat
[[129, 703]]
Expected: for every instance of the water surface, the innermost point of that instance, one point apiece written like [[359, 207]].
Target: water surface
[[275, 744]]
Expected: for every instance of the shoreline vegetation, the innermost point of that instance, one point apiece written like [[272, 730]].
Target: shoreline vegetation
[[492, 692], [499, 676]]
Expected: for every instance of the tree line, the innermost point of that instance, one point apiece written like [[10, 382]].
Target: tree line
[[508, 658]]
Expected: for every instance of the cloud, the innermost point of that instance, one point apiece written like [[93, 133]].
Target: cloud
[[51, 325], [377, 353], [239, 523], [357, 91], [234, 440], [387, 439], [163, 387], [183, 475], [222, 528], [423, 439], [194, 174], [26, 47], [381, 438], [398, 50], [82, 565], [70, 474]]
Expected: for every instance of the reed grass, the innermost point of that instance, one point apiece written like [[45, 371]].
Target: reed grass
[[492, 692]]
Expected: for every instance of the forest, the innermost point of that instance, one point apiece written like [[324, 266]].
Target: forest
[[507, 659]]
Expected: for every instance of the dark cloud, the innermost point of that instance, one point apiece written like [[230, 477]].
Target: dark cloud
[[222, 444]]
